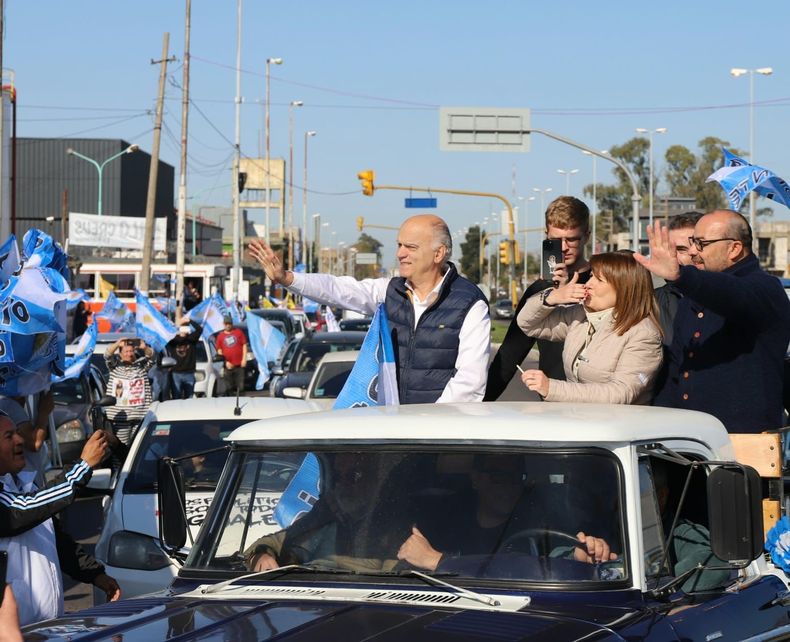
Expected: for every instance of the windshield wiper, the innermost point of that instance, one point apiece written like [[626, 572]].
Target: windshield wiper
[[288, 568], [430, 579]]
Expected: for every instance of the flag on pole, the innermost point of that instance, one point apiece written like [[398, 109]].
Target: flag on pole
[[373, 379], [331, 322], [151, 325], [737, 178], [266, 342], [115, 311], [76, 363]]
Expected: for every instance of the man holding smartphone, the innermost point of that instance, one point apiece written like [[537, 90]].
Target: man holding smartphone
[[568, 229]]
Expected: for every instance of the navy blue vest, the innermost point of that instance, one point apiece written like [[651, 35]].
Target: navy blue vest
[[426, 355]]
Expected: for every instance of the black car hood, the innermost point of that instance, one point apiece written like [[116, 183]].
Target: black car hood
[[189, 618]]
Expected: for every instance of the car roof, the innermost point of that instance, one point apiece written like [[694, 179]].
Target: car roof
[[343, 355], [222, 408], [493, 423]]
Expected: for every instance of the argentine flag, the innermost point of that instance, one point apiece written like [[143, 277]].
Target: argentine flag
[[151, 325], [331, 322], [266, 342], [301, 494], [373, 379], [9, 259], [76, 363], [116, 312]]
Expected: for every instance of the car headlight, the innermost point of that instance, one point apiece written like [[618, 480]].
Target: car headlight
[[72, 430], [133, 550], [199, 375]]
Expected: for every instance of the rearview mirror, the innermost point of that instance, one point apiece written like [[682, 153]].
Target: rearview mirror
[[172, 505], [168, 362], [735, 513], [294, 392]]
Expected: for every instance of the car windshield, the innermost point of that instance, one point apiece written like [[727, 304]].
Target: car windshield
[[505, 303], [68, 391], [176, 439], [306, 359], [481, 515], [330, 379]]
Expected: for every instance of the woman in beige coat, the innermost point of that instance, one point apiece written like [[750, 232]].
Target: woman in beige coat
[[610, 327]]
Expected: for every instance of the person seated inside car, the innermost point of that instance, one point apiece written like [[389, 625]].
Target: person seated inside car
[[496, 525]]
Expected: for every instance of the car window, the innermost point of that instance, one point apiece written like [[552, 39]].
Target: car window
[[176, 439], [69, 391], [308, 357], [200, 351], [331, 378]]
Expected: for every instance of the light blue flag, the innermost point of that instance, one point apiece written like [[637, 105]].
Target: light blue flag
[[151, 325], [197, 313], [266, 342], [308, 305], [331, 322], [301, 494], [373, 379], [75, 296], [738, 178], [115, 311], [76, 363], [9, 259], [209, 314], [166, 305], [39, 249]]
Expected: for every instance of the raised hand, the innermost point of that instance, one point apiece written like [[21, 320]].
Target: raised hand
[[663, 259], [270, 262], [571, 292]]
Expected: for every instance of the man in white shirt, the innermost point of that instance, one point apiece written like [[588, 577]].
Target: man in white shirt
[[439, 320]]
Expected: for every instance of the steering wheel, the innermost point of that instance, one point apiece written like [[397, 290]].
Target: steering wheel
[[536, 533]]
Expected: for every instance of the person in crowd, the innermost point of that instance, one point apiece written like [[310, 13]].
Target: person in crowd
[[439, 320], [80, 322], [612, 349], [191, 296], [681, 229], [231, 345], [183, 349], [128, 382], [567, 219], [36, 555], [731, 329]]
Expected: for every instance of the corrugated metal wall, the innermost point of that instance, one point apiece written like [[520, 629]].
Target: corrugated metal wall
[[44, 170]]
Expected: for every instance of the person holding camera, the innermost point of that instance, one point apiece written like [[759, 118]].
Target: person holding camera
[[128, 362]]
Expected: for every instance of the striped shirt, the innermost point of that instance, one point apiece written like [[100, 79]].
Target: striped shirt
[[131, 387]]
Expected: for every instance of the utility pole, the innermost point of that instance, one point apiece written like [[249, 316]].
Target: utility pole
[[234, 186], [148, 242], [64, 220], [182, 184]]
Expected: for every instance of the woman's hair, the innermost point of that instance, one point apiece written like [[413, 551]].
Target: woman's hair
[[633, 286]]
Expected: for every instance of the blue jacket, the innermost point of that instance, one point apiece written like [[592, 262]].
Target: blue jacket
[[426, 354], [731, 333]]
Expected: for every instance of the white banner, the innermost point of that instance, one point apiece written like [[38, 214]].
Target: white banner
[[114, 231]]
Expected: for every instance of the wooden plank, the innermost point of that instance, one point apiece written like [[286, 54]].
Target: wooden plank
[[771, 514], [762, 452]]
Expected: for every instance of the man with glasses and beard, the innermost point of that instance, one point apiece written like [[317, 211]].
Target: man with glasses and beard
[[731, 328]]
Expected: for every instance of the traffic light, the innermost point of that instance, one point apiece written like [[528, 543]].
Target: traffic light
[[504, 257], [518, 253], [242, 181], [360, 222], [367, 177]]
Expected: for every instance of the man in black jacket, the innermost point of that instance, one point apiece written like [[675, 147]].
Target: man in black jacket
[[182, 348], [731, 329], [568, 220]]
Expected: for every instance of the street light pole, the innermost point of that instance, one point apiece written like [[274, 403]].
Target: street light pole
[[316, 239], [100, 167], [595, 193], [269, 61], [735, 73], [525, 223], [291, 105], [650, 132], [307, 135], [542, 192], [567, 173]]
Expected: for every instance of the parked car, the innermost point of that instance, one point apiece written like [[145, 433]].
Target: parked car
[[358, 324], [304, 355], [327, 380], [503, 309], [128, 544], [71, 414], [523, 574]]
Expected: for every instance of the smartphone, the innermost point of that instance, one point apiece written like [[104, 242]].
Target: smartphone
[[551, 255], [3, 567]]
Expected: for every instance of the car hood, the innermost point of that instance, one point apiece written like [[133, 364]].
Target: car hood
[[191, 618]]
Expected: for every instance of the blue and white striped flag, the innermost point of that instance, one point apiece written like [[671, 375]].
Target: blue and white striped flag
[[9, 259], [76, 363], [331, 322], [151, 326], [302, 492], [737, 178], [266, 342], [75, 296], [115, 311], [39, 249], [209, 314], [373, 379]]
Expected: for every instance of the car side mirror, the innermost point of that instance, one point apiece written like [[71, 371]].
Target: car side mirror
[[279, 372], [294, 392], [168, 362], [101, 481], [172, 505], [218, 358], [735, 514]]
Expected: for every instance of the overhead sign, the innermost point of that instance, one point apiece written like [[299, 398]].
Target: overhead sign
[[125, 232], [484, 129], [421, 203], [366, 258]]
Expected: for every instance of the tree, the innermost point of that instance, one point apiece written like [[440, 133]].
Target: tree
[[470, 254], [367, 244]]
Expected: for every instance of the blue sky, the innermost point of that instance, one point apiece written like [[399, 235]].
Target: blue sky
[[373, 75]]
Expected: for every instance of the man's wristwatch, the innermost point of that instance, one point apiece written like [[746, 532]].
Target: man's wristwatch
[[545, 296]]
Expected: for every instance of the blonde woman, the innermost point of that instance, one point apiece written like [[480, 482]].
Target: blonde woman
[[610, 327]]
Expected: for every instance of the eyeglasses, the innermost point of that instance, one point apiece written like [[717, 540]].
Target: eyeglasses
[[572, 241], [701, 244]]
